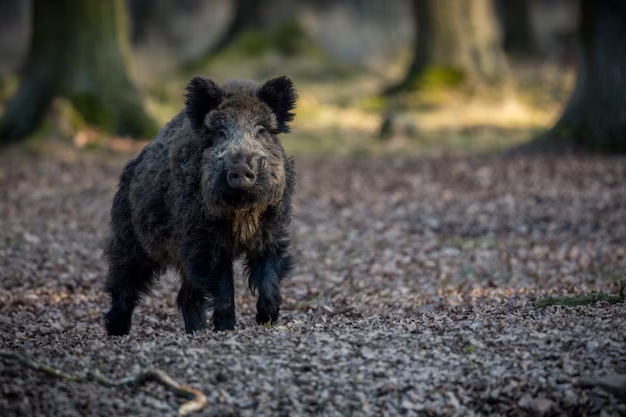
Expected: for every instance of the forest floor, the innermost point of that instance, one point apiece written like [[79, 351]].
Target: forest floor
[[414, 294]]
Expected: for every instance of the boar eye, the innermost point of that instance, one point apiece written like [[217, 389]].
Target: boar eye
[[261, 131], [220, 135]]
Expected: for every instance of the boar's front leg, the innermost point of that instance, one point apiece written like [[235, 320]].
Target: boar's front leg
[[208, 275], [266, 271], [192, 303], [222, 287]]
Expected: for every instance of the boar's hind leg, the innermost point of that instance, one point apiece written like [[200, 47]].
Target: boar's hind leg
[[192, 305], [131, 274], [266, 273]]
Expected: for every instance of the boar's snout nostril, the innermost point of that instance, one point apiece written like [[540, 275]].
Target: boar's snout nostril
[[240, 176]]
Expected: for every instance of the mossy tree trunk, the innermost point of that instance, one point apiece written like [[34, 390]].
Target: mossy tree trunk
[[595, 116], [79, 50], [456, 42]]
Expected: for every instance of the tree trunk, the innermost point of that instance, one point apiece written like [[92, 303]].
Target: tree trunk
[[519, 34], [595, 116], [455, 42], [79, 50], [257, 16], [247, 17]]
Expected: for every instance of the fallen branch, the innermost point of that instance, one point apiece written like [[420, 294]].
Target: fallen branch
[[586, 299], [614, 384], [197, 402]]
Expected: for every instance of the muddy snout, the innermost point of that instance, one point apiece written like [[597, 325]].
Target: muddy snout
[[241, 177]]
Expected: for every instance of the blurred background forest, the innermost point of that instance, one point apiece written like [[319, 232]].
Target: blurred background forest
[[373, 77]]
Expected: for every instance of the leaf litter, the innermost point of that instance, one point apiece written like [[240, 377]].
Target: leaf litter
[[414, 293]]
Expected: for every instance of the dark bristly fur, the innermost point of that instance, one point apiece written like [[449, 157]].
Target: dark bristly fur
[[215, 184]]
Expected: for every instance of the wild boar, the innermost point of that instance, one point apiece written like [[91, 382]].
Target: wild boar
[[214, 185]]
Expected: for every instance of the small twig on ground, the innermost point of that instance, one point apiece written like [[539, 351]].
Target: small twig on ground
[[198, 399]]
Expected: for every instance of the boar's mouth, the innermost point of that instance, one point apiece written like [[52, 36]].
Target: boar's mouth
[[238, 199]]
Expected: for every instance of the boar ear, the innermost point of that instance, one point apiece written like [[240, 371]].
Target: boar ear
[[281, 96], [202, 96]]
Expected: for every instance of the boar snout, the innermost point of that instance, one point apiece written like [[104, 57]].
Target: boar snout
[[241, 177]]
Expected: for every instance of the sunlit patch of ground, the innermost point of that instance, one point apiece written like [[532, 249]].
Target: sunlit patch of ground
[[341, 110]]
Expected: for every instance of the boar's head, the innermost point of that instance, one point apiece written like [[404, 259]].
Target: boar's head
[[243, 163]]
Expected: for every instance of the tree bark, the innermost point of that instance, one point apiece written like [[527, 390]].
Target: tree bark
[[455, 42], [79, 50], [595, 116], [247, 17], [519, 34], [257, 16]]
